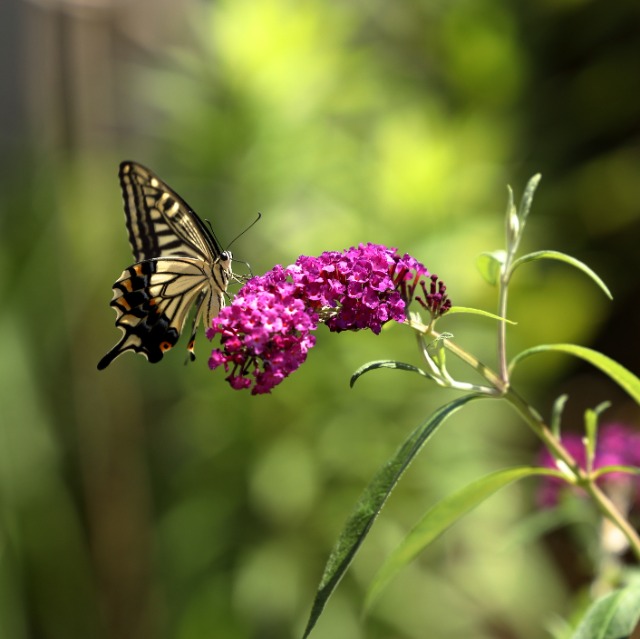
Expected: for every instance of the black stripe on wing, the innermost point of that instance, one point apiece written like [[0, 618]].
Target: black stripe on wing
[[159, 221], [152, 300]]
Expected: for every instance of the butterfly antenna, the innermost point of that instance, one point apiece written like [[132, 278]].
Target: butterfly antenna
[[245, 278], [215, 237], [245, 230]]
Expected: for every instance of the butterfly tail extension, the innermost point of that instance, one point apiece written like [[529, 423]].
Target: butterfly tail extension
[[110, 356], [132, 342], [141, 340]]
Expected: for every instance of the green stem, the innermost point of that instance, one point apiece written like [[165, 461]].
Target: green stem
[[582, 478], [466, 357], [551, 441], [611, 512], [502, 326]]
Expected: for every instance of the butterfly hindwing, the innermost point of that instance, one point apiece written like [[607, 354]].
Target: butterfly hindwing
[[179, 266], [152, 300]]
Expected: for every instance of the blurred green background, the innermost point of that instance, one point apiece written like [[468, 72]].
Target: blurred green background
[[153, 501]]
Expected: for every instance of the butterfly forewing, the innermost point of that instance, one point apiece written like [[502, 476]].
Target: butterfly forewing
[[159, 221], [179, 266]]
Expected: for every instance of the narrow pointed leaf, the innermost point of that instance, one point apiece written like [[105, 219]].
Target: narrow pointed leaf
[[371, 502], [556, 415], [527, 197], [384, 363], [604, 470], [614, 616], [442, 516], [591, 435], [476, 311], [562, 257], [513, 223], [618, 373], [591, 419]]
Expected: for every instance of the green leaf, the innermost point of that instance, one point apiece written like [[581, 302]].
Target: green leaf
[[370, 503], [603, 470], [562, 257], [591, 418], [490, 265], [385, 363], [591, 435], [514, 229], [556, 414], [442, 516], [527, 197], [614, 616], [476, 311], [618, 373]]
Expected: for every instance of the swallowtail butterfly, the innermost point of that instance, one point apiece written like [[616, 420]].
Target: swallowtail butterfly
[[179, 265]]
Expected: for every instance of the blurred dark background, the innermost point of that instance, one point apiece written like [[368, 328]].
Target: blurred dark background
[[153, 501]]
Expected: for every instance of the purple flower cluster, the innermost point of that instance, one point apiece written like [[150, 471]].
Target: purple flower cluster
[[265, 332], [617, 445], [353, 289]]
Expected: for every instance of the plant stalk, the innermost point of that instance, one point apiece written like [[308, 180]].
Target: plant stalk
[[536, 423]]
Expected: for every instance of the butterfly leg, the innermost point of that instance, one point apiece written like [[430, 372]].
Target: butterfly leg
[[194, 327]]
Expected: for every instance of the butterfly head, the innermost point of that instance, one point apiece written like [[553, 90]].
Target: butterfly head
[[225, 260], [223, 268]]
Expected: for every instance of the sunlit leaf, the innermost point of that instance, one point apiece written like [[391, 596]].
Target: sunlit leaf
[[384, 363], [370, 504], [441, 517], [618, 373], [514, 228], [476, 311], [490, 264], [614, 616], [527, 197], [562, 257]]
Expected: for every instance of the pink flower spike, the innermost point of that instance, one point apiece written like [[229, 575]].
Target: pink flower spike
[[265, 332]]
